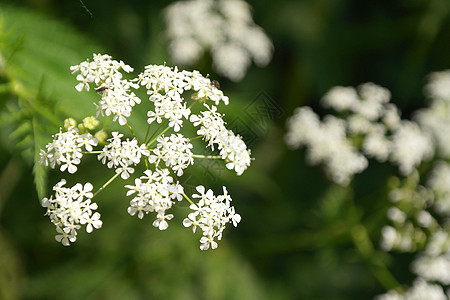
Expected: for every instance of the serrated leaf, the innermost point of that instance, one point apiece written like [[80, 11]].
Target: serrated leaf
[[39, 171], [36, 54]]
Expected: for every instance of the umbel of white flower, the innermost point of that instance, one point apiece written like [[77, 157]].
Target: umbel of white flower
[[223, 27], [366, 126], [71, 208], [165, 154]]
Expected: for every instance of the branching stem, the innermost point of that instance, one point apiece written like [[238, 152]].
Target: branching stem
[[106, 184]]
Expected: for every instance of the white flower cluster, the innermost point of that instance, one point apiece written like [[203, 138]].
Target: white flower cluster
[[66, 149], [122, 154], [156, 191], [422, 221], [437, 87], [175, 151], [101, 70], [433, 264], [410, 146], [438, 182], [433, 268], [436, 117], [105, 72], [326, 143], [419, 291], [165, 87], [370, 126], [71, 208], [224, 27], [232, 148], [420, 224], [411, 220], [211, 214]]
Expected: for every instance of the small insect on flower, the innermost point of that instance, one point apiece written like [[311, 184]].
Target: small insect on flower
[[101, 89], [216, 84]]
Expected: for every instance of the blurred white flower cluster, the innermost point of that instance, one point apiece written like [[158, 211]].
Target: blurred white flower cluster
[[420, 290], [421, 222], [163, 155], [366, 126], [223, 27]]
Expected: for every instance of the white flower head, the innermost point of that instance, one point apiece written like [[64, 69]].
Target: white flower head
[[66, 149], [211, 214], [168, 154], [154, 192], [71, 208], [122, 155]]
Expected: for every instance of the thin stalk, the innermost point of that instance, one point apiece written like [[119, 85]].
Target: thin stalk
[[148, 131], [157, 129], [364, 245], [106, 184], [188, 199], [197, 137], [365, 248], [207, 156], [92, 152], [161, 133], [132, 132]]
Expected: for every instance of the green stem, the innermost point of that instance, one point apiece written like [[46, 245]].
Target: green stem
[[92, 152], [157, 129], [161, 133], [146, 163], [106, 184], [363, 244], [132, 132], [365, 248], [197, 137], [188, 199], [148, 131], [207, 156]]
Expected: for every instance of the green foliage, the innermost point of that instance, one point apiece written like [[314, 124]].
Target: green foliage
[[35, 54], [300, 238]]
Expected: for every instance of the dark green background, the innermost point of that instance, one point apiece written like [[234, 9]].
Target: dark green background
[[300, 235]]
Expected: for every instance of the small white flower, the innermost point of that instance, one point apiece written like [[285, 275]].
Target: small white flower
[[161, 222], [191, 220], [64, 237], [91, 221], [206, 242]]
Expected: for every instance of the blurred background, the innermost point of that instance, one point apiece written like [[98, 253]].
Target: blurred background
[[301, 237]]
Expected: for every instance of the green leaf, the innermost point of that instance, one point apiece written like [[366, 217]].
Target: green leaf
[[39, 170], [36, 53]]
